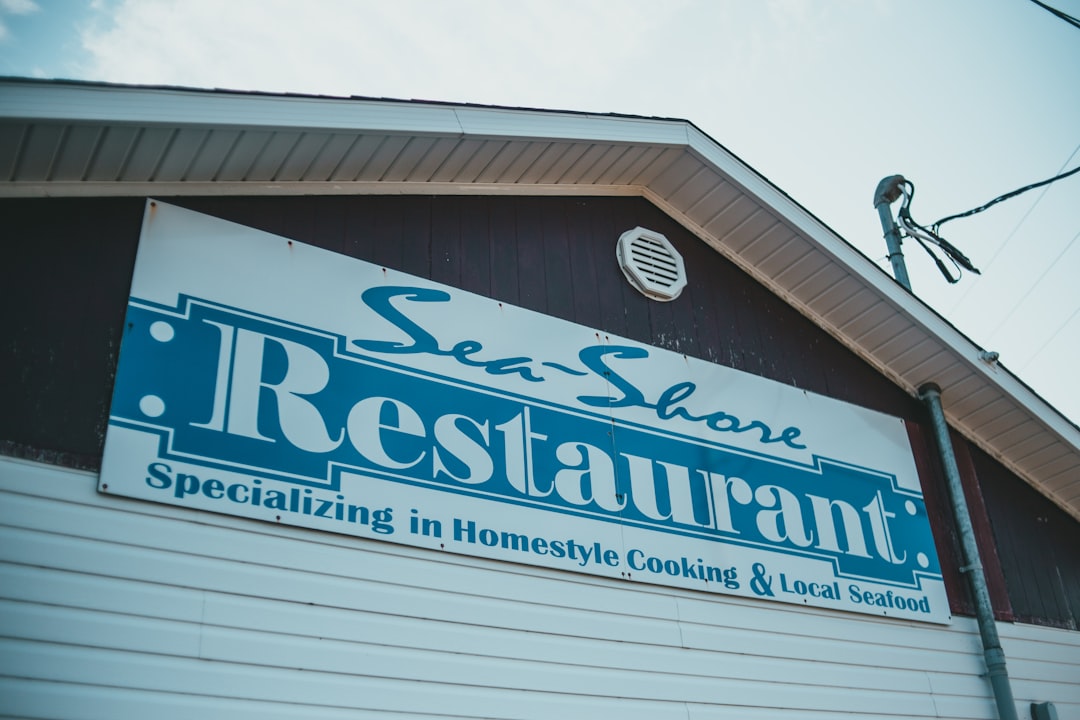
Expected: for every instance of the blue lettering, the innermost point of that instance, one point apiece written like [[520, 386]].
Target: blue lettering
[[281, 399], [213, 489], [381, 521], [667, 404], [378, 299], [159, 476], [557, 548], [185, 485], [233, 493], [593, 358]]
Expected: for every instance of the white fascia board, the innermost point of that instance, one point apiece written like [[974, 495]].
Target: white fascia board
[[134, 105], [123, 105], [248, 188], [554, 125]]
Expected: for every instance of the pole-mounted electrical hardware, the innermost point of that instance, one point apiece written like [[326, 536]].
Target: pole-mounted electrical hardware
[[892, 187], [888, 191]]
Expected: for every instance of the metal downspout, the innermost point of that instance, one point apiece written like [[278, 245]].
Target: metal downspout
[[992, 651]]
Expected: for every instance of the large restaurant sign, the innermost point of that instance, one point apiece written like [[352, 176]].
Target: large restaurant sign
[[269, 379]]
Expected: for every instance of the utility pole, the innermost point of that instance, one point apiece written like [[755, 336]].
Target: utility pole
[[888, 190]]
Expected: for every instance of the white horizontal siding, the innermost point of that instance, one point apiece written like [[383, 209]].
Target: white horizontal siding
[[113, 608], [1044, 665]]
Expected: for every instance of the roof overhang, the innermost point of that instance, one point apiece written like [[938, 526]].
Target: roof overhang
[[78, 139]]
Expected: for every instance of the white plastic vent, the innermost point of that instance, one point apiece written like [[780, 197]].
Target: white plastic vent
[[651, 264]]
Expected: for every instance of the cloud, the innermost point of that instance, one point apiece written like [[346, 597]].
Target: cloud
[[15, 7], [19, 7], [486, 51], [276, 45]]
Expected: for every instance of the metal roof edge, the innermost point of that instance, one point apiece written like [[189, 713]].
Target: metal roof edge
[[143, 104], [82, 101]]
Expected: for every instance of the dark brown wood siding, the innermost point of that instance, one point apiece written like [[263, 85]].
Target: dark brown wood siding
[[1039, 547], [65, 281]]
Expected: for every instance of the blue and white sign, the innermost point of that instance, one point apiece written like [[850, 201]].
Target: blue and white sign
[[268, 379]]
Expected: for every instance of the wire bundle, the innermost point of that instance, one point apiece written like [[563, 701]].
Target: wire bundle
[[929, 239]]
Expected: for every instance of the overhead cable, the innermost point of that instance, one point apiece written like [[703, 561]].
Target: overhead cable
[[1058, 13], [1034, 284], [1050, 338], [929, 239], [1006, 196], [1012, 233]]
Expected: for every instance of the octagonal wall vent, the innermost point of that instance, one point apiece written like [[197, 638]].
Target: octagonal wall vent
[[651, 264]]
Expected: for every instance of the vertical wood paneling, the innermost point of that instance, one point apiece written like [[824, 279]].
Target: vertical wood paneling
[[980, 522], [718, 329], [559, 287], [416, 238], [330, 223], [1038, 545], [531, 268], [383, 232], [610, 284], [476, 246], [359, 240], [297, 225], [446, 243], [939, 510], [582, 259], [504, 252], [63, 281]]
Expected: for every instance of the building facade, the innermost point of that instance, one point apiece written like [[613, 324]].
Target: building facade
[[651, 541]]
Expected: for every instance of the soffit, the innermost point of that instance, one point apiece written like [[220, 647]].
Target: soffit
[[87, 139]]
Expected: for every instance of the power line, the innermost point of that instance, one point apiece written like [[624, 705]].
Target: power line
[[989, 263], [1058, 13], [930, 237], [1051, 338], [937, 225], [1026, 214], [1035, 284]]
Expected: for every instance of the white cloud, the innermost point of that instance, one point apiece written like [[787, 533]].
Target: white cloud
[[19, 7], [525, 52]]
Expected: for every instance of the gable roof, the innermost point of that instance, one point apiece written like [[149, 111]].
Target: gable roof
[[89, 139]]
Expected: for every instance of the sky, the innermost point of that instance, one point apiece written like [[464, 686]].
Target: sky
[[967, 99]]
